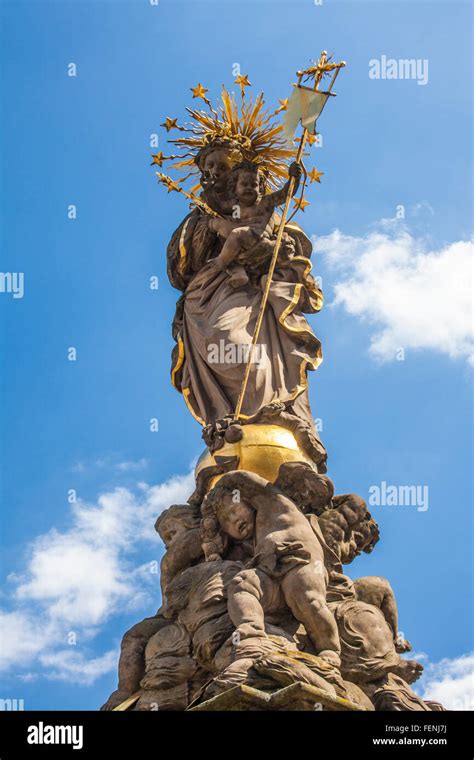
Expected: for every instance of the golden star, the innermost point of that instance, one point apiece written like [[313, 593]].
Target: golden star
[[311, 139], [199, 91], [158, 158], [243, 81], [300, 203], [171, 186], [169, 183], [169, 124], [314, 175], [283, 104]]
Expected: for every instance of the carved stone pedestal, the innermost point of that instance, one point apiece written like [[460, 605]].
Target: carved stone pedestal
[[296, 697], [257, 611]]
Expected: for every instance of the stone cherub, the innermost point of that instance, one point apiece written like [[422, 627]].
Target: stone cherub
[[347, 529], [365, 609], [288, 563], [255, 220], [178, 527]]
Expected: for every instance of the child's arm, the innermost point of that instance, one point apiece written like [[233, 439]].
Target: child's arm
[[222, 226], [279, 196], [248, 484]]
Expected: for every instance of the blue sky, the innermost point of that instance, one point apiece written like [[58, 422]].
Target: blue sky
[[389, 283]]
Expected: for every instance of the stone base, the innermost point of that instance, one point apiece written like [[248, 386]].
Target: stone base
[[296, 697]]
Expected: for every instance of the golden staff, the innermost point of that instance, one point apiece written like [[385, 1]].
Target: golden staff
[[318, 71]]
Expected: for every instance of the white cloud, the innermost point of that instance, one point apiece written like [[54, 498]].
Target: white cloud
[[141, 464], [73, 667], [451, 682], [413, 297], [421, 208], [111, 462], [76, 579], [20, 638]]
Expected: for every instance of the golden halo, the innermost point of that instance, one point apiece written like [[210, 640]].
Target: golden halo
[[245, 124]]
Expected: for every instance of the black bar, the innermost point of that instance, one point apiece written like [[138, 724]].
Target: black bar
[[280, 734]]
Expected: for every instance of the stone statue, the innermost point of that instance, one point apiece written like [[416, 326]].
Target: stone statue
[[256, 609], [215, 320], [288, 563]]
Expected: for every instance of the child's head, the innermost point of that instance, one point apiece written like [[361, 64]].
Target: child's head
[[246, 183], [236, 518], [354, 510], [366, 534], [179, 518], [224, 514], [310, 491], [361, 539]]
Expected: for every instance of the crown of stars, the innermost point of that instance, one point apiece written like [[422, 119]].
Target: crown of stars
[[244, 123], [247, 127]]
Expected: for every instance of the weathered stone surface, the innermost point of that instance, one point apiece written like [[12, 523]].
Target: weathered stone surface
[[296, 697], [257, 612], [250, 623]]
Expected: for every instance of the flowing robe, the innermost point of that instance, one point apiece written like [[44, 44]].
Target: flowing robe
[[214, 324]]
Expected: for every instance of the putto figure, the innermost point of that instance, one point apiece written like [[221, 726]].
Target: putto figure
[[255, 212], [288, 563]]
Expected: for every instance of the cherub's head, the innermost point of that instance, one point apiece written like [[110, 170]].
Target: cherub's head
[[362, 539], [236, 518], [366, 534], [246, 183], [177, 519], [310, 491], [224, 513]]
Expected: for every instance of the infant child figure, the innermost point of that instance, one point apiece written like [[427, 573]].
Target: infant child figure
[[288, 564], [255, 216]]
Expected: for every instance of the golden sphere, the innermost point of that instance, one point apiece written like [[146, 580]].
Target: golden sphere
[[263, 449]]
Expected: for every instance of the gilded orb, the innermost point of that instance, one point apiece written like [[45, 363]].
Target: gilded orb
[[262, 449]]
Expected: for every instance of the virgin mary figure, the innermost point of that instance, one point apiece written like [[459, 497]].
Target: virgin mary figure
[[214, 321]]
